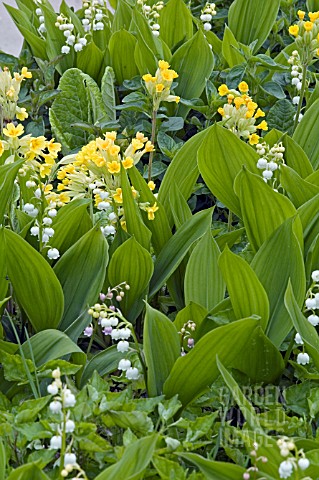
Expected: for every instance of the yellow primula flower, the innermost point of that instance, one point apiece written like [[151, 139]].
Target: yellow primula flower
[[60, 187], [230, 98], [301, 14], [238, 102], [221, 111], [118, 196], [313, 16], [110, 135], [149, 147], [136, 144], [53, 148], [263, 125], [48, 188], [159, 87], [13, 131], [11, 92], [64, 198], [259, 113], [151, 211], [37, 144], [114, 150], [45, 170], [140, 136], [128, 163], [294, 30], [243, 87], [147, 77], [223, 90], [308, 26], [163, 65], [21, 114], [134, 192], [253, 139], [1, 148], [252, 106], [113, 167], [151, 185], [25, 73]]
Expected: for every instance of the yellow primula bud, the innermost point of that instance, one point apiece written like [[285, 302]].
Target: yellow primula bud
[[313, 16], [113, 167], [263, 125], [259, 113], [163, 65], [253, 139], [238, 102], [147, 78], [149, 147], [25, 73], [128, 163], [294, 30], [301, 14], [151, 185], [243, 87], [308, 26], [223, 90], [221, 111], [159, 87]]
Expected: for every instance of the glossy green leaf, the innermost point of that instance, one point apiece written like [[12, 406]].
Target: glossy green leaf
[[177, 247], [259, 15], [274, 267], [281, 116], [3, 461], [28, 471], [176, 23], [49, 345], [204, 283], [247, 295], [104, 362], [306, 134], [159, 227], [90, 60], [161, 349], [259, 218], [230, 48], [7, 176], [134, 461], [81, 272], [70, 224], [227, 342], [148, 49], [220, 158], [41, 300], [179, 206], [122, 16], [308, 333], [122, 46], [134, 223], [194, 59], [309, 215], [298, 189], [133, 264], [192, 311], [212, 469], [296, 158], [183, 170]]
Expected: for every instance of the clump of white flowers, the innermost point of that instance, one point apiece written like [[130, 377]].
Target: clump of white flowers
[[72, 38], [96, 13], [64, 400], [152, 14], [186, 333], [39, 13], [113, 324], [255, 458], [270, 159], [207, 14], [296, 77], [295, 459]]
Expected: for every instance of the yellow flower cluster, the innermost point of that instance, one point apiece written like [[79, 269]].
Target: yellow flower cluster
[[159, 86], [9, 93], [241, 112], [39, 153], [306, 33]]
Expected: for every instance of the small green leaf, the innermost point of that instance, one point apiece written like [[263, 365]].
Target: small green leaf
[[7, 176], [212, 469], [176, 23], [306, 134], [281, 116]]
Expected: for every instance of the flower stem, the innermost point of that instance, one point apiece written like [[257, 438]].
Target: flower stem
[[302, 93], [63, 446], [150, 161]]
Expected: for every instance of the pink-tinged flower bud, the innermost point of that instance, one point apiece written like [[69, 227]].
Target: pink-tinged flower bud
[[102, 297], [88, 332], [190, 342]]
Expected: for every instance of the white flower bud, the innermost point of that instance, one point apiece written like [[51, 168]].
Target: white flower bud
[[125, 333], [65, 49], [298, 339], [272, 166], [299, 85], [69, 399], [78, 47], [56, 442], [155, 33], [124, 364], [103, 205], [303, 463], [262, 163], [295, 100], [52, 389], [109, 230], [49, 231], [55, 406], [83, 41], [70, 40], [69, 426], [207, 27], [315, 276], [98, 17], [123, 346], [42, 28], [53, 253], [311, 303], [303, 358], [34, 231], [112, 216], [285, 469], [132, 373], [295, 81], [85, 21], [52, 212], [47, 221], [39, 11], [314, 320], [267, 174], [156, 26], [69, 459]]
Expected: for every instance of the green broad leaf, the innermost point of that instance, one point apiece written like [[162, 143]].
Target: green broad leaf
[[245, 406], [194, 59], [215, 42], [98, 110], [137, 421], [212, 469], [247, 295], [306, 134], [298, 189], [308, 333], [176, 248], [296, 158], [122, 46], [183, 170], [81, 272], [229, 238], [180, 209], [312, 5], [90, 60], [41, 300], [261, 362], [122, 16], [148, 49], [273, 89], [3, 461], [281, 116], [159, 227], [220, 158], [134, 461], [104, 363], [230, 48], [309, 214], [204, 283], [227, 342], [134, 223], [50, 345], [28, 471], [312, 257], [133, 264], [176, 23], [259, 15], [192, 311], [274, 267], [70, 224], [8, 174], [161, 349], [314, 95], [259, 218], [167, 468]]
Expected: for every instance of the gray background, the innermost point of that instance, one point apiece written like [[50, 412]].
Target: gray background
[[10, 37]]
